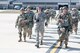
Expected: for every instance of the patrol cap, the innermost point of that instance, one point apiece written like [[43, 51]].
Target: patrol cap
[[22, 9], [65, 8]]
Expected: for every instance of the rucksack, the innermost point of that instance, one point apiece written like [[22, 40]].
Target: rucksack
[[66, 20]]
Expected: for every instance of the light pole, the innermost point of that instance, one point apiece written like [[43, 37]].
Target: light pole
[[69, 4]]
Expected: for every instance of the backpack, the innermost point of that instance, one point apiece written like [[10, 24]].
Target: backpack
[[66, 20]]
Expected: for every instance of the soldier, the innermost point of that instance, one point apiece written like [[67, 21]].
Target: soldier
[[53, 13], [29, 16], [65, 20], [39, 19], [47, 12], [60, 11], [75, 18], [22, 25]]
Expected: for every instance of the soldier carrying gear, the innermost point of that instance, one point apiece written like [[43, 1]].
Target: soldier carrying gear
[[47, 12], [60, 12], [52, 14], [75, 18], [21, 22], [65, 21], [39, 20], [29, 16]]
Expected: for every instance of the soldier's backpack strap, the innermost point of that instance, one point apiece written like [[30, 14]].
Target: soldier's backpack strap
[[70, 21]]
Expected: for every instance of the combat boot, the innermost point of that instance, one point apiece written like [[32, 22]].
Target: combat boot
[[20, 35], [41, 42], [20, 40], [24, 38], [61, 43], [37, 46], [66, 46]]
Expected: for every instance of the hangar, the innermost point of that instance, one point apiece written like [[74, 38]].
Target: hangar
[[56, 4]]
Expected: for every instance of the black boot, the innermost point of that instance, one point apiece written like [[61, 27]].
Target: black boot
[[66, 46], [61, 43], [20, 40], [30, 37], [37, 46], [41, 42], [24, 38], [20, 35]]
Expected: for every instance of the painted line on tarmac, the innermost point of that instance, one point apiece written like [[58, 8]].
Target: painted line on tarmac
[[54, 48], [48, 51]]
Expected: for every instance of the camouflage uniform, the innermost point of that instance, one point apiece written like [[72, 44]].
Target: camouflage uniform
[[22, 26], [75, 18], [29, 16], [53, 13], [60, 11], [47, 16], [65, 26], [50, 14], [39, 20]]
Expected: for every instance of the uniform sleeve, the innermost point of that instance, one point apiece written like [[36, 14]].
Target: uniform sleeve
[[45, 17], [70, 18], [78, 16], [34, 18], [25, 16], [33, 14], [58, 16], [17, 21]]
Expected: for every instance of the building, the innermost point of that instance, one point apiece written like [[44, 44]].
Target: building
[[56, 4], [4, 4]]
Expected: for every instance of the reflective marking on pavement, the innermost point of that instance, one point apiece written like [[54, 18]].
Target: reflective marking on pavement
[[55, 48], [49, 50]]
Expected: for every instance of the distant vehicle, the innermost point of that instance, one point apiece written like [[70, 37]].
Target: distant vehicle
[[17, 7]]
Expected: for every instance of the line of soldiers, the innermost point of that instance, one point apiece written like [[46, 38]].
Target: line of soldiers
[[25, 23], [67, 22], [27, 18]]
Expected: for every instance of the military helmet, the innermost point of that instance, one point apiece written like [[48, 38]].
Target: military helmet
[[47, 10], [38, 7], [28, 7], [22, 9], [61, 8], [65, 8], [74, 9]]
